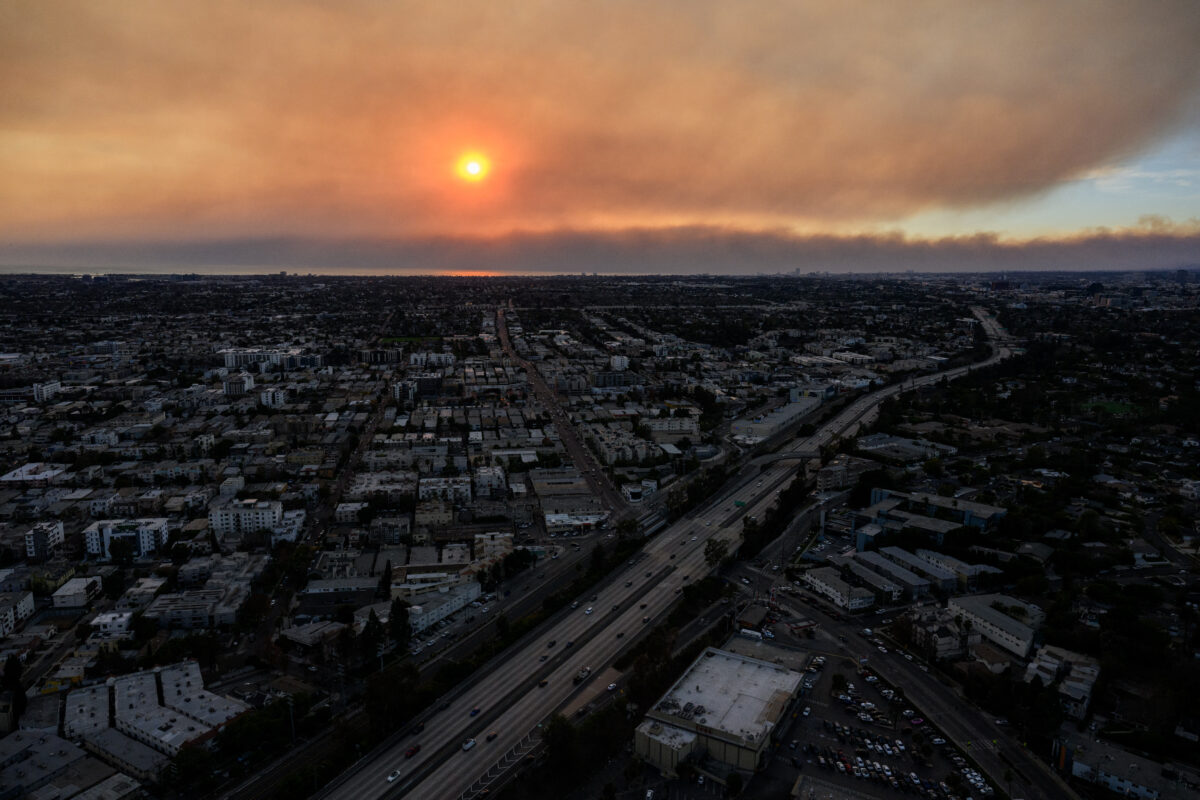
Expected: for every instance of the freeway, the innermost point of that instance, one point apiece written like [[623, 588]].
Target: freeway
[[509, 701]]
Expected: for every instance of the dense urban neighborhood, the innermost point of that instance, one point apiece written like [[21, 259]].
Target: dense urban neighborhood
[[573, 537]]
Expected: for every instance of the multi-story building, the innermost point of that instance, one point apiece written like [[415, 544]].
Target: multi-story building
[[826, 582], [726, 708], [77, 592], [455, 490], [142, 536], [45, 392], [991, 615], [15, 608], [273, 398], [44, 540], [490, 482], [238, 385], [234, 519], [672, 429]]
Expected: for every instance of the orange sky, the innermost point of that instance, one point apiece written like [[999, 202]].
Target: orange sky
[[153, 121]]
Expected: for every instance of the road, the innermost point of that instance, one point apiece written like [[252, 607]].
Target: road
[[510, 701], [592, 471]]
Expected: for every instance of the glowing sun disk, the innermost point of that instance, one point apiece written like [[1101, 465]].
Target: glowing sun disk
[[473, 167]]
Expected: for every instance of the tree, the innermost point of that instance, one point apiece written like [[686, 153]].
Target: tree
[[399, 628], [385, 580], [714, 551], [11, 682], [371, 639], [113, 584], [121, 551], [627, 527]]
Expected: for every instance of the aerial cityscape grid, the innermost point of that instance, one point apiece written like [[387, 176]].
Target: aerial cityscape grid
[[666, 400]]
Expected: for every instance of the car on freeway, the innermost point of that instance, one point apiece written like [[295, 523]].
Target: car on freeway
[[468, 744], [394, 775], [475, 711], [492, 735], [412, 751], [916, 721], [543, 683], [587, 610], [612, 687]]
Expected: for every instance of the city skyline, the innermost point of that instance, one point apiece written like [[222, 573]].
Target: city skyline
[[618, 138]]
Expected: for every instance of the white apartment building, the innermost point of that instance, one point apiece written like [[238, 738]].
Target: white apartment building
[[145, 536], [45, 392], [672, 429], [273, 398], [15, 608], [238, 385], [996, 626], [433, 607], [236, 518], [427, 359], [43, 539], [490, 481], [826, 582], [456, 489]]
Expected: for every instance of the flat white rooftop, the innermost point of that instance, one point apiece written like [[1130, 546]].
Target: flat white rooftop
[[732, 694]]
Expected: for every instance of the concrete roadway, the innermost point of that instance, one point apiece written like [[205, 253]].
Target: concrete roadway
[[509, 699], [583, 459]]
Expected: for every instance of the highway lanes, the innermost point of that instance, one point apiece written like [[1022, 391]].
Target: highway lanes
[[508, 697]]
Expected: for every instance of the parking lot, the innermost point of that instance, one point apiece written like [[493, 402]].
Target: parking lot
[[857, 733]]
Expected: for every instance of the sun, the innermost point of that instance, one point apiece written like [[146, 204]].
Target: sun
[[473, 167]]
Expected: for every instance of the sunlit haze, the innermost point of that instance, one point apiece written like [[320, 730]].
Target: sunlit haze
[[616, 136]]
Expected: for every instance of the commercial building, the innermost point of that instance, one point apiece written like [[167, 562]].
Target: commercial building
[[1122, 771], [996, 625], [721, 714], [767, 425], [828, 583], [140, 537]]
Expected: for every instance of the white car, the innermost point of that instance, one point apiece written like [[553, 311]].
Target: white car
[[587, 610], [612, 687], [468, 744], [394, 775]]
